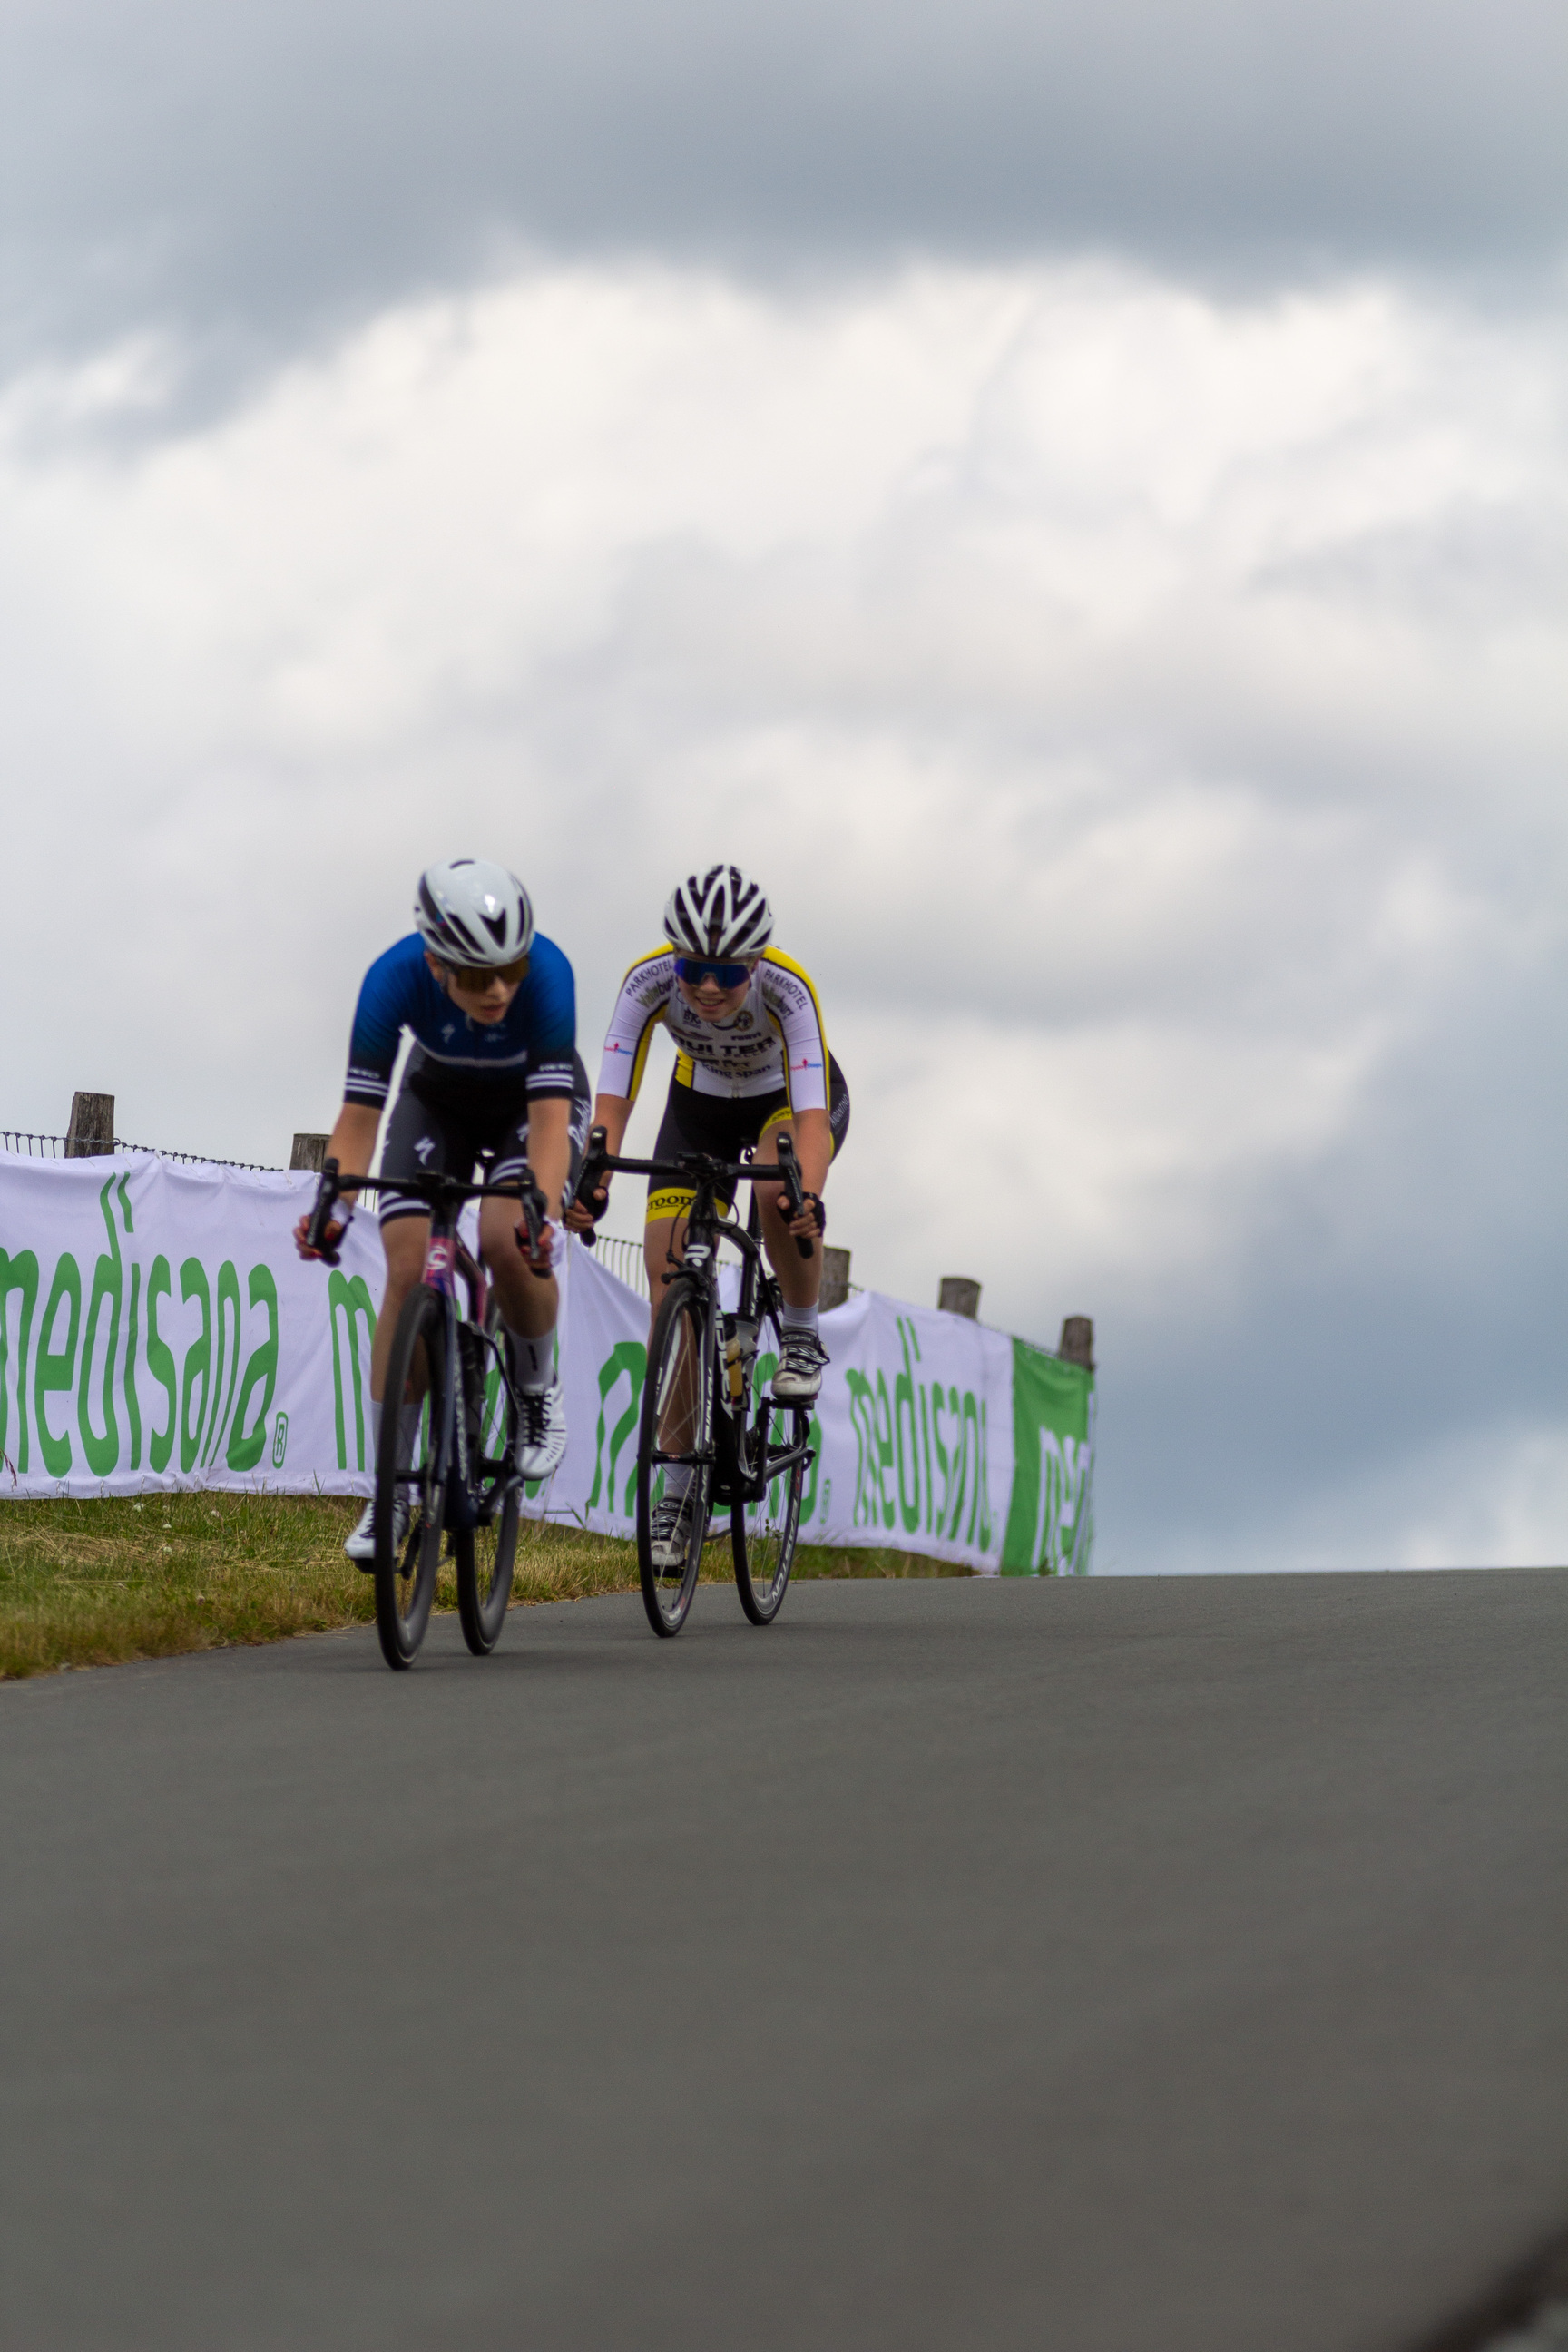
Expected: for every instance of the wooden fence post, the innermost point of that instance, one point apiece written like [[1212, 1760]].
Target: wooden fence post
[[958, 1296], [91, 1135], [834, 1278], [1078, 1341], [309, 1151]]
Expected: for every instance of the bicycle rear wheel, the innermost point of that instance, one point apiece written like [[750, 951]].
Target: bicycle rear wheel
[[763, 1534], [677, 1424], [486, 1555], [405, 1570]]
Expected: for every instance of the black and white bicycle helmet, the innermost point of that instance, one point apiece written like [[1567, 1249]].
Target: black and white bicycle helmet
[[721, 914], [469, 911]]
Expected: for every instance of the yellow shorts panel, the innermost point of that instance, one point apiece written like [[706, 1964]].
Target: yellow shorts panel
[[675, 1201], [779, 1118]]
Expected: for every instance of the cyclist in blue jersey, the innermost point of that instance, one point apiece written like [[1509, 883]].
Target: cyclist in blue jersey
[[494, 1067]]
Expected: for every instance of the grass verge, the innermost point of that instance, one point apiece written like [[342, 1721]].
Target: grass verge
[[95, 1583]]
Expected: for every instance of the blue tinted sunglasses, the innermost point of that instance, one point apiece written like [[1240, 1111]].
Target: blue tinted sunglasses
[[727, 975]]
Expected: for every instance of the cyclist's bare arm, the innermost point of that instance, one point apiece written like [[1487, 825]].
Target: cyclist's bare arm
[[528, 1300], [351, 1144], [550, 1147]]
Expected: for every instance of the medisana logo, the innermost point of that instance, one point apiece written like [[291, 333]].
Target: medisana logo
[[99, 1344], [350, 1310], [1050, 1527], [920, 1459], [621, 1377]]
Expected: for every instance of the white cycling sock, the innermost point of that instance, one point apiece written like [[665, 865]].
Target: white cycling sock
[[798, 1318], [411, 1419], [375, 1431], [532, 1360], [676, 1481]]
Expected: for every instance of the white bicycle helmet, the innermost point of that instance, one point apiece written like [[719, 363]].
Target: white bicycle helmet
[[471, 912], [721, 914]]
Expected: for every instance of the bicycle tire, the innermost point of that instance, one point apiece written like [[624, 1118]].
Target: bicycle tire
[[406, 1576], [487, 1554], [762, 1535], [678, 1353]]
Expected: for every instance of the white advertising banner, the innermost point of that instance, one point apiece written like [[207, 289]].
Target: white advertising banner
[[913, 1430], [158, 1330]]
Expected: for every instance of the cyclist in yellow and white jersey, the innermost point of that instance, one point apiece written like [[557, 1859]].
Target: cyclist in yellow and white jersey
[[751, 1063]]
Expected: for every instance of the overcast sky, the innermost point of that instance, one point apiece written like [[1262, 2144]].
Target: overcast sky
[[1075, 499]]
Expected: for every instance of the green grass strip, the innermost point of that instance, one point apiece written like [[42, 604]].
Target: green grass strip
[[95, 1583]]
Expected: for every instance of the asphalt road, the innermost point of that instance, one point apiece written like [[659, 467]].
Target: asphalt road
[[1129, 1966]]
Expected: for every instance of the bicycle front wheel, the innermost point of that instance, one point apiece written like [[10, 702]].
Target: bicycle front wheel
[[410, 1498], [487, 1554], [675, 1456], [762, 1534]]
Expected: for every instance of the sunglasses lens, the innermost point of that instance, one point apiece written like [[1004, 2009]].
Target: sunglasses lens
[[724, 975], [474, 983]]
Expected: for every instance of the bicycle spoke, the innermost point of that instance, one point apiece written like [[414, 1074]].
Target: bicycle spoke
[[763, 1533], [408, 1483], [675, 1456]]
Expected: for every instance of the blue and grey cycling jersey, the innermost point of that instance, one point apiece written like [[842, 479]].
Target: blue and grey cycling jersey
[[532, 1049]]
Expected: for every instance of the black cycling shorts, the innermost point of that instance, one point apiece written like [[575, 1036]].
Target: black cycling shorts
[[727, 1125], [441, 1125]]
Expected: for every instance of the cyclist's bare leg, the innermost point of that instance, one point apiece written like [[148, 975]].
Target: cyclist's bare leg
[[665, 1237], [528, 1302], [799, 1278]]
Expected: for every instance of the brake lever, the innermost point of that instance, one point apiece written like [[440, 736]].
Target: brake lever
[[789, 1169], [322, 1214], [588, 1181], [533, 1207]]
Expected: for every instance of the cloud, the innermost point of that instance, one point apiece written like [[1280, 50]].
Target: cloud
[[1477, 1496], [1144, 709], [255, 173]]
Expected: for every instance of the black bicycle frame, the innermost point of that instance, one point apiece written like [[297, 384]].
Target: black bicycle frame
[[446, 1257], [705, 1229]]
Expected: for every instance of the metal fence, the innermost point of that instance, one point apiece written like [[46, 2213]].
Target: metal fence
[[625, 1260], [622, 1259], [53, 1147]]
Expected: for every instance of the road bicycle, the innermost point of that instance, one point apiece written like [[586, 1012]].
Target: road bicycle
[[703, 1410], [450, 1463]]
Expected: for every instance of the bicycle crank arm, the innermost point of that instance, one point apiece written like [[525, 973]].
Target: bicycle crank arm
[[779, 1462], [753, 1490]]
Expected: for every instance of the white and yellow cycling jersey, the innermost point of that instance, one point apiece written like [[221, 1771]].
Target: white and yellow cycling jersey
[[775, 1039]]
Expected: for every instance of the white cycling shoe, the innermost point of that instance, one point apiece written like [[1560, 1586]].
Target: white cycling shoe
[[799, 1379], [541, 1439], [361, 1544], [670, 1525], [669, 1533]]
